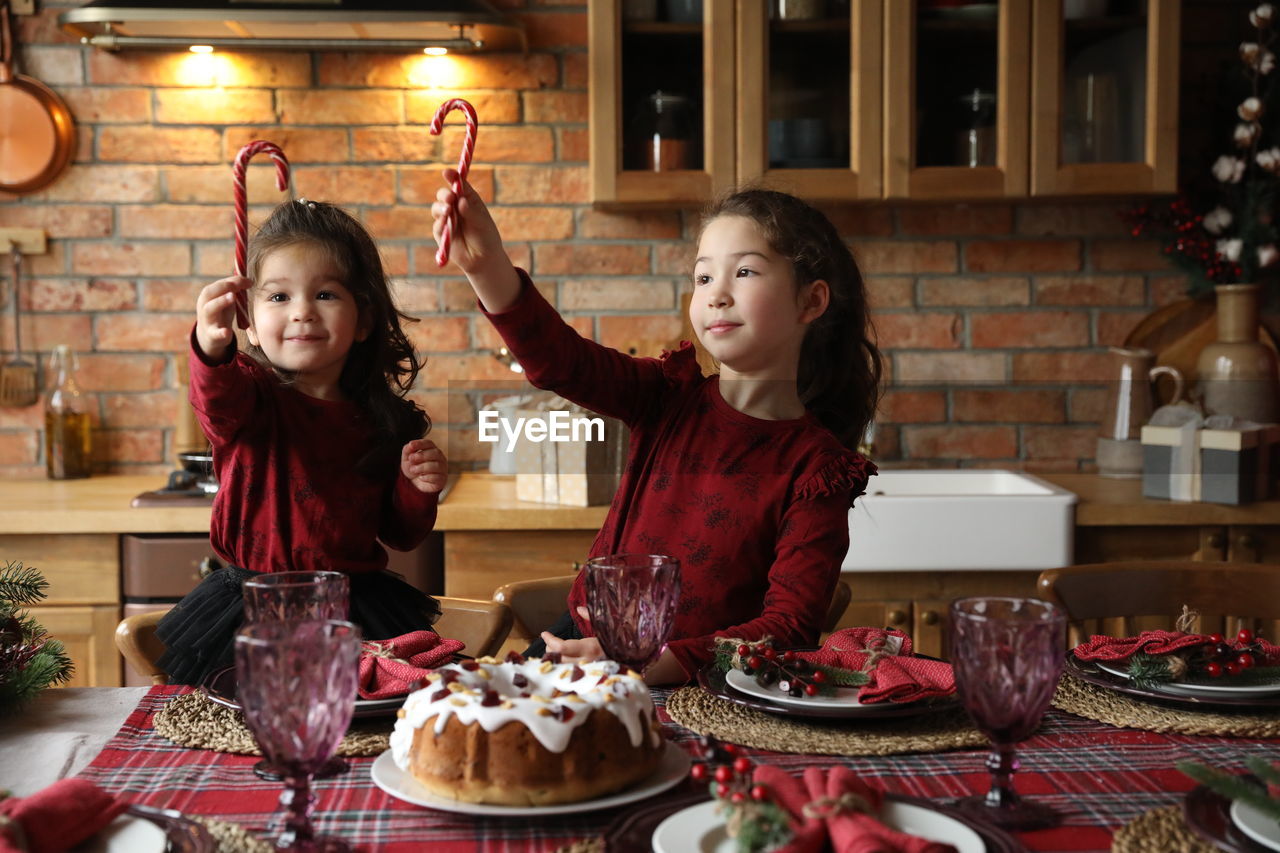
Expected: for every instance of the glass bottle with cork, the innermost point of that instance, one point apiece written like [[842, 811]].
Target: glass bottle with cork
[[68, 447]]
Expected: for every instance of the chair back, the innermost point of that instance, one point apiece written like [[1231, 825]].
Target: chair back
[[137, 641], [537, 604], [482, 625], [1122, 598]]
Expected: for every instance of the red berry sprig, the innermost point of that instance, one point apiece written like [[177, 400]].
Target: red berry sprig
[[1225, 658], [792, 674]]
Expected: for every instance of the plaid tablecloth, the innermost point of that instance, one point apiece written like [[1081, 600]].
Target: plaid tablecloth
[[1099, 776]]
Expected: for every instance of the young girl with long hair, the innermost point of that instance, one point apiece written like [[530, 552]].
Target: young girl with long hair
[[319, 455], [747, 476]]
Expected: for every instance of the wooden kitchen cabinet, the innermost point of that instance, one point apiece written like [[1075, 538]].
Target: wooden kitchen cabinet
[[896, 99], [81, 607]]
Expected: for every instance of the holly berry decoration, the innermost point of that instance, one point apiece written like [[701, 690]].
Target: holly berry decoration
[[790, 673], [759, 822], [1223, 658]]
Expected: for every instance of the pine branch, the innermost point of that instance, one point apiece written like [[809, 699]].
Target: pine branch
[[1232, 787], [22, 585], [1263, 769]]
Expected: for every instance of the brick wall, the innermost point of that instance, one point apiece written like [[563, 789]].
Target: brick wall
[[994, 317]]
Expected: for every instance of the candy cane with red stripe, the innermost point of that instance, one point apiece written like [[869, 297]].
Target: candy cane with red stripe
[[242, 209], [464, 166]]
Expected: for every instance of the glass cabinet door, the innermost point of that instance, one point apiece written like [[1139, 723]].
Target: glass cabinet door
[[661, 79], [956, 95], [1105, 99], [809, 96]]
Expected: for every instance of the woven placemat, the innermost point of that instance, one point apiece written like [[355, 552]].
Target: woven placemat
[[1107, 706], [696, 709], [232, 837], [1161, 830], [193, 720]]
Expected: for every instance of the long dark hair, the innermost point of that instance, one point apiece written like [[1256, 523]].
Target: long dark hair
[[840, 365], [379, 370]]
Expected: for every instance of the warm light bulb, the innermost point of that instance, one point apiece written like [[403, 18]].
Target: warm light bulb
[[435, 51], [201, 48]]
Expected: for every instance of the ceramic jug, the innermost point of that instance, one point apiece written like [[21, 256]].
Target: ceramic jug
[[1238, 373], [1130, 402]]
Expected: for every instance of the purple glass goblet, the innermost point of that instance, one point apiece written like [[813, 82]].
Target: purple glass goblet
[[296, 597], [296, 682], [632, 599], [1007, 654]]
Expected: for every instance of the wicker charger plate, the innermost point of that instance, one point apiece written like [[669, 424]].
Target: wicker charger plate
[[1107, 706], [698, 710], [193, 720], [1162, 830]]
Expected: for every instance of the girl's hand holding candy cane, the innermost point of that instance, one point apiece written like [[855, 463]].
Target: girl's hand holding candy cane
[[476, 245], [216, 315]]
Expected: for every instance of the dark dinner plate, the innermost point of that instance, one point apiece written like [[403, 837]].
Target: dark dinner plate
[[220, 687], [1208, 814], [632, 832], [1087, 672], [712, 680]]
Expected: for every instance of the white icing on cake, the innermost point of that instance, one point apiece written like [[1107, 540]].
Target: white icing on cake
[[540, 704]]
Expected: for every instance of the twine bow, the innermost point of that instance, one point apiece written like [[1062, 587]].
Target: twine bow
[[847, 803], [379, 650], [1187, 620]]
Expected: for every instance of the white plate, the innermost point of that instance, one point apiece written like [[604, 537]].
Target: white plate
[[401, 785], [1255, 824], [1208, 691], [845, 697], [698, 829], [127, 834]]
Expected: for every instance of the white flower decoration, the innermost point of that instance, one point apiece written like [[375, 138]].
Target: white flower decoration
[[1246, 133], [1267, 62], [1250, 109], [1229, 169], [1230, 249], [1217, 220], [1269, 159], [1249, 52], [1261, 16], [1267, 255]]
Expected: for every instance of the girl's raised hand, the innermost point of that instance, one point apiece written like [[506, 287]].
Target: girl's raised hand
[[475, 236], [216, 315], [425, 466]]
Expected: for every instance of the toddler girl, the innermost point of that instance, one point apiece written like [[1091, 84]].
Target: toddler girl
[[746, 477], [319, 455]]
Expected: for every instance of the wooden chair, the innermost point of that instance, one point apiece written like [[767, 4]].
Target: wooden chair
[[482, 625], [1122, 598], [536, 604]]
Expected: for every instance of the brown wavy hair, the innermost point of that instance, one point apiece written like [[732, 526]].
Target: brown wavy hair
[[379, 370], [840, 365]]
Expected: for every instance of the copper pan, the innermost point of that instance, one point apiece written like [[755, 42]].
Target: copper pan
[[37, 133]]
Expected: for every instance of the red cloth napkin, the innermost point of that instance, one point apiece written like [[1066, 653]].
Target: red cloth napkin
[[57, 818], [895, 677], [1099, 647], [847, 830], [388, 668]]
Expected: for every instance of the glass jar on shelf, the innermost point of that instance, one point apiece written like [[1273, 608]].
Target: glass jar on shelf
[[662, 133], [976, 139]]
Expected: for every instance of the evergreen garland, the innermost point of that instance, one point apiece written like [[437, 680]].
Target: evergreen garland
[[1235, 787], [30, 660]]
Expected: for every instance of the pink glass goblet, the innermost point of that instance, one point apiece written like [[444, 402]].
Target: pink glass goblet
[[1007, 654], [296, 597], [632, 599], [296, 682]]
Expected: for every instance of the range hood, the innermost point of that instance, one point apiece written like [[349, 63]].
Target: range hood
[[453, 25]]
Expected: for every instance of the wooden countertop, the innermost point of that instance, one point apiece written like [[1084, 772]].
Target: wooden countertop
[[482, 501]]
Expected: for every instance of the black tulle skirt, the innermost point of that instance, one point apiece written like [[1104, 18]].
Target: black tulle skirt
[[199, 632]]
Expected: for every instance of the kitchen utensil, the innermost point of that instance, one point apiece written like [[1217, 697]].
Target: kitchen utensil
[[18, 382], [1008, 655], [464, 166], [37, 133], [242, 209]]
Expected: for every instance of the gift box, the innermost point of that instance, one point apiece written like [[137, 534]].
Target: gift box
[[568, 455], [1228, 465]]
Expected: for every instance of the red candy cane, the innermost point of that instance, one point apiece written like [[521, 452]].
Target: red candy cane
[[242, 209], [464, 166]]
